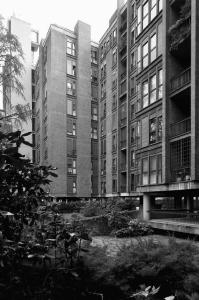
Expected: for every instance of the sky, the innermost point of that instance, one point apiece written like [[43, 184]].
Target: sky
[[42, 13]]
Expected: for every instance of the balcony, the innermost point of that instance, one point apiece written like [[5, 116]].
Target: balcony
[[179, 32], [181, 80], [123, 88], [180, 128], [123, 75]]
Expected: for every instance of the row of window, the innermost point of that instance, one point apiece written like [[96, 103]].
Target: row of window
[[111, 40], [71, 109]]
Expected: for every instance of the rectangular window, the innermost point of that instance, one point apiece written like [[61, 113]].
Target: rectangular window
[[159, 168], [133, 11], [152, 131], [153, 170], [145, 171], [153, 47], [132, 37], [139, 20], [159, 133], [94, 91], [114, 143], [69, 107], [145, 55], [71, 88], [132, 111], [114, 185], [139, 59], [114, 103], [160, 5], [94, 56], [145, 94], [132, 182], [71, 127], [94, 133], [160, 84], [145, 13], [153, 9], [70, 47], [114, 164], [133, 137], [74, 186], [132, 159], [71, 67], [114, 36], [152, 89], [114, 58], [138, 97], [133, 61]]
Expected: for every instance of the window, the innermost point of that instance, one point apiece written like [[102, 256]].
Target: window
[[132, 182], [132, 37], [133, 86], [94, 113], [133, 61], [155, 129], [71, 147], [103, 127], [94, 56], [71, 88], [71, 108], [71, 127], [71, 165], [114, 58], [152, 89], [160, 84], [139, 59], [145, 171], [153, 9], [145, 55], [160, 5], [159, 133], [153, 49], [114, 103], [114, 164], [159, 168], [139, 20], [94, 75], [152, 131], [70, 47], [74, 186], [138, 97], [103, 166], [153, 169], [145, 94], [132, 159], [145, 13], [103, 89], [132, 111], [114, 185], [138, 131], [114, 143], [114, 36], [71, 67], [94, 133], [133, 11], [133, 136], [114, 121], [103, 147], [114, 83], [94, 91]]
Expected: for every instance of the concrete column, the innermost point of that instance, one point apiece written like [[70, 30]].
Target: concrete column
[[146, 207]]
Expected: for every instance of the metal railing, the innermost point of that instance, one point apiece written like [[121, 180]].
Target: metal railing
[[184, 216], [181, 80], [180, 128]]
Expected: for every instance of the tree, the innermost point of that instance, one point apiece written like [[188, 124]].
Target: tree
[[11, 70]]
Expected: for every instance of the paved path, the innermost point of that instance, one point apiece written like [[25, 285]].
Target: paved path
[[115, 244]]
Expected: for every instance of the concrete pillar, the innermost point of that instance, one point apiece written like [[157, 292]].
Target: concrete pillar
[[146, 207]]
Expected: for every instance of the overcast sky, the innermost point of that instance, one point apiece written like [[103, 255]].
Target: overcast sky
[[42, 13]]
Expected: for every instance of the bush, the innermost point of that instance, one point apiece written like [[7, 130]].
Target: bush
[[69, 207], [135, 228], [92, 209], [117, 220], [173, 267], [126, 204]]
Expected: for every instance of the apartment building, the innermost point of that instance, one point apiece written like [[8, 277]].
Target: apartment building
[[148, 106], [29, 40], [66, 110]]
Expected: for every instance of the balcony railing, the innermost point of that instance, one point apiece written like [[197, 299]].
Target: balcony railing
[[182, 174], [123, 121], [123, 75], [180, 128], [184, 216], [181, 80]]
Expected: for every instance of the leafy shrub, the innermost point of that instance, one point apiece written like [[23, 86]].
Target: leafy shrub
[[135, 228], [117, 220], [92, 209], [126, 204]]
